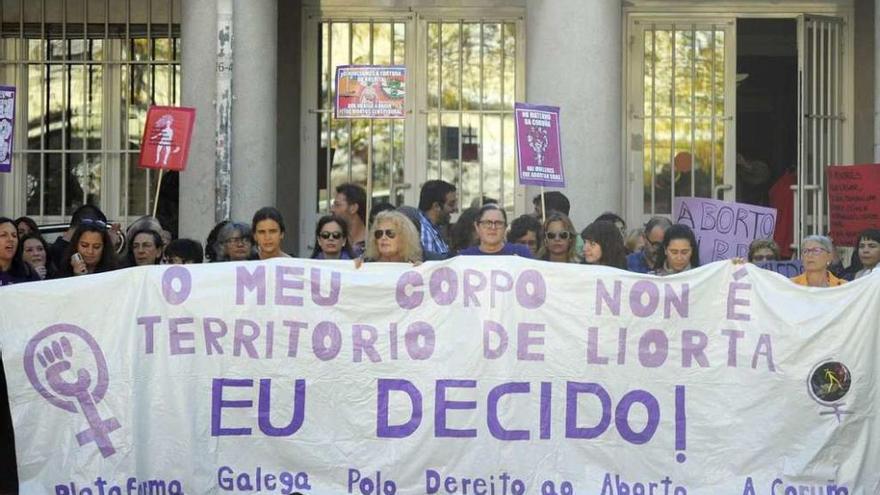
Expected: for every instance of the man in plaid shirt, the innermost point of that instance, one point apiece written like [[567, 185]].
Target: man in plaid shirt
[[437, 202]]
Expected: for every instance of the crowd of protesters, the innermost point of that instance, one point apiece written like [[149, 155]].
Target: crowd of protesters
[[403, 234]]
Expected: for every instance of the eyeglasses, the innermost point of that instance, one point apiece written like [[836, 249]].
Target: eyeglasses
[[97, 223], [561, 235], [814, 251], [238, 240], [387, 233], [326, 235], [492, 224]]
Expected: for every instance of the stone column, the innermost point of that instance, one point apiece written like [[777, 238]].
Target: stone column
[[574, 61], [198, 68], [254, 107]]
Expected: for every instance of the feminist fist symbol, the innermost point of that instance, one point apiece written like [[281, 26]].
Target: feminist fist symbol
[[55, 359]]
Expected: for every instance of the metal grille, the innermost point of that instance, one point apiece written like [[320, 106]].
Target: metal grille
[[368, 152], [821, 131], [684, 120], [86, 73], [471, 88]]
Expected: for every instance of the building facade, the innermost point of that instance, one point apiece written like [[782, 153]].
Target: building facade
[[658, 99]]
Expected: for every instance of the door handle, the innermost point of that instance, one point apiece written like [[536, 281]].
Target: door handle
[[721, 187], [396, 188]]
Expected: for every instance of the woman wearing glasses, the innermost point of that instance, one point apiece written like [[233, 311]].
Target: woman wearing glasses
[[817, 252], [603, 245], [491, 224], [90, 250], [394, 239], [235, 243], [331, 239], [559, 240]]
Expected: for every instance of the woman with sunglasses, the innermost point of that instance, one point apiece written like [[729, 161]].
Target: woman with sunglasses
[[817, 252], [603, 245], [559, 240], [491, 224], [394, 239], [90, 251], [331, 239], [762, 250]]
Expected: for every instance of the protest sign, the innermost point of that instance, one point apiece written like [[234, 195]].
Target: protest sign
[[370, 91], [167, 134], [853, 201], [724, 229], [522, 377], [787, 268], [7, 126], [538, 145]]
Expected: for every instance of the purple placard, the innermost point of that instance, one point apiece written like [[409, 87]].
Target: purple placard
[[7, 126], [538, 145], [788, 268], [724, 229]]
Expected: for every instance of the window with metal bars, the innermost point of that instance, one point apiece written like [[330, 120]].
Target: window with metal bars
[[86, 73], [464, 78]]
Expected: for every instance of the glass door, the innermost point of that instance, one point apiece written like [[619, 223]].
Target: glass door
[[681, 107]]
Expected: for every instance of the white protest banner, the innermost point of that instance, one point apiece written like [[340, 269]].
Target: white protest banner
[[471, 376]]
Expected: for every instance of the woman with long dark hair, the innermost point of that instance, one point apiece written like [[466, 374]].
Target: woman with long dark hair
[[90, 250], [678, 252], [603, 245], [13, 269]]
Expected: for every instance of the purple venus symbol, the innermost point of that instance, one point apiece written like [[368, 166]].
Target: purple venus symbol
[[67, 367]]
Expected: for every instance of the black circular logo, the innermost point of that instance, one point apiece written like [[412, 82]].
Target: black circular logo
[[830, 381]]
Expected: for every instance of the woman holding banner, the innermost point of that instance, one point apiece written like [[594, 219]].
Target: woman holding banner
[[394, 239], [490, 224], [678, 252], [869, 251], [817, 252]]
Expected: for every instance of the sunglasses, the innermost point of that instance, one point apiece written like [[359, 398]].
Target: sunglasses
[[97, 223], [328, 235], [387, 233], [561, 235]]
